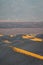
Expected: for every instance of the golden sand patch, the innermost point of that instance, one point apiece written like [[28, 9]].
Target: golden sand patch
[[27, 36], [11, 35], [37, 39], [7, 41], [28, 53], [32, 37], [1, 35]]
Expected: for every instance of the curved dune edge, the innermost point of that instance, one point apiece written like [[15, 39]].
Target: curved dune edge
[[27, 53], [1, 35], [37, 39], [32, 37], [11, 35], [27, 36], [6, 41]]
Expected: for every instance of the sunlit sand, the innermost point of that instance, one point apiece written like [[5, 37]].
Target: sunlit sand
[[27, 53], [32, 37], [11, 35], [6, 41], [29, 47], [1, 35], [27, 36], [37, 39]]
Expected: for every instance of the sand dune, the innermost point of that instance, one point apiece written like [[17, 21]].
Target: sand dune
[[10, 57]]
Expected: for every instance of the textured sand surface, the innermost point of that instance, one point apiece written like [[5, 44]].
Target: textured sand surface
[[10, 57]]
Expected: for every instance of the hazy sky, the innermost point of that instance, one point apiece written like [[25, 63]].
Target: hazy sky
[[30, 10]]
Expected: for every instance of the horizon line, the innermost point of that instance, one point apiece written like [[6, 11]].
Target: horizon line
[[18, 21]]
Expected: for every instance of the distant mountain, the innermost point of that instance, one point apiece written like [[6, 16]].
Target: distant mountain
[[21, 24]]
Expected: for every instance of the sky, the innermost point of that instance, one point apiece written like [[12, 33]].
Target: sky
[[21, 10]]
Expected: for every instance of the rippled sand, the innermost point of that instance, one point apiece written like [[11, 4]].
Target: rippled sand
[[11, 57]]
